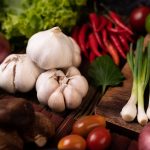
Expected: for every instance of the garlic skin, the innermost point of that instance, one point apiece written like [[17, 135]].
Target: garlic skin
[[51, 49], [69, 88], [77, 53], [18, 73]]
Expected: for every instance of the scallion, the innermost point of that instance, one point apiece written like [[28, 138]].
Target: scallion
[[140, 67]]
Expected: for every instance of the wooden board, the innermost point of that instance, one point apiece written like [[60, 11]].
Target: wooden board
[[114, 99]]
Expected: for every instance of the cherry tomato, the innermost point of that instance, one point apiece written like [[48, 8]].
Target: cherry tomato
[[87, 123], [99, 139], [72, 142]]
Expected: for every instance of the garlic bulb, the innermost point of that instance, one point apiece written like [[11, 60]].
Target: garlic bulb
[[61, 89], [53, 49], [18, 73]]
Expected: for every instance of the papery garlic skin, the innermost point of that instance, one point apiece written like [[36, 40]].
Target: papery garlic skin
[[72, 87], [77, 53], [51, 49], [18, 73]]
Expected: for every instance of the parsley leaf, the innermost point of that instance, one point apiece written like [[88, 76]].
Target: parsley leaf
[[103, 72]]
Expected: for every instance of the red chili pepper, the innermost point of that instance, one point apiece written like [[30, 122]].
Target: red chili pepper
[[75, 33], [100, 42], [110, 49], [97, 22], [117, 45], [93, 44], [123, 41], [102, 22], [94, 20], [92, 56], [119, 22], [82, 38], [114, 54], [112, 29], [128, 37]]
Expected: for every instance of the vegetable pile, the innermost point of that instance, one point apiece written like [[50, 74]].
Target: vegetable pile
[[50, 65], [140, 67], [103, 34]]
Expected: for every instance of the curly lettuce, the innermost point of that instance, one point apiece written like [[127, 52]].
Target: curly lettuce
[[26, 17]]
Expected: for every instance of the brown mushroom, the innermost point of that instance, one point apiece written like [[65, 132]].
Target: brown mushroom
[[40, 131], [10, 140], [16, 112]]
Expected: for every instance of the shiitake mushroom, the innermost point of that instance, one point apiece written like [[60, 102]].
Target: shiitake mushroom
[[40, 131], [24, 124], [16, 112], [10, 140]]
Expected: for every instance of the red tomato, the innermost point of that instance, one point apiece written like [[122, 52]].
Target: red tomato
[[86, 124], [99, 139], [137, 18], [72, 142]]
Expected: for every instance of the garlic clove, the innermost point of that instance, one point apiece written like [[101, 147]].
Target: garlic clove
[[51, 49], [56, 101], [72, 71], [80, 84], [72, 98], [46, 84], [26, 73], [77, 54], [7, 77]]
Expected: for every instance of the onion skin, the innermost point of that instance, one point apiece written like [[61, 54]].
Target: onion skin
[[137, 18], [144, 138]]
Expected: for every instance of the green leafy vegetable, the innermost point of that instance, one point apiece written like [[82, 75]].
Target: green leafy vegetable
[[103, 72], [26, 17]]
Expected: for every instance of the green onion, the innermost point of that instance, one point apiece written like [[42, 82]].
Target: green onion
[[148, 108], [140, 67]]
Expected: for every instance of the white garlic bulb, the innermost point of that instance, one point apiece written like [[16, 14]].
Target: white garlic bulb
[[61, 89], [18, 73], [53, 49]]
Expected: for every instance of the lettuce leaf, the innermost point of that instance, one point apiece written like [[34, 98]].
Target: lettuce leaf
[[25, 17]]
